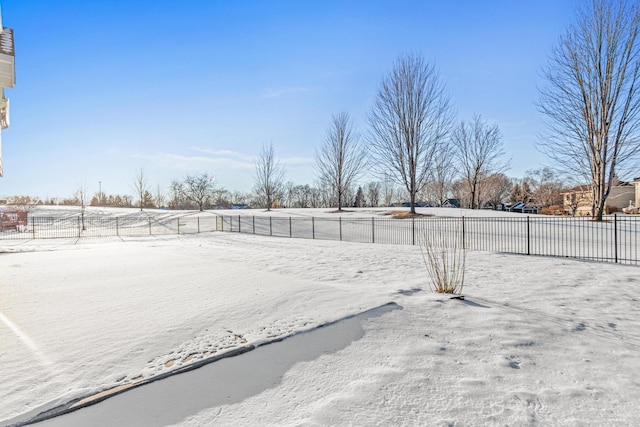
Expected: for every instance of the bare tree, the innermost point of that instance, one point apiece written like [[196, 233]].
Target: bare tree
[[240, 198], [341, 159], [591, 100], [141, 188], [81, 196], [269, 176], [439, 185], [410, 119], [159, 198], [497, 189], [324, 197], [389, 190], [176, 195], [222, 198], [373, 193], [478, 148], [521, 191], [546, 186], [199, 189]]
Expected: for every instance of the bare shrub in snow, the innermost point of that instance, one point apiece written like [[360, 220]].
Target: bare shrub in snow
[[445, 258]]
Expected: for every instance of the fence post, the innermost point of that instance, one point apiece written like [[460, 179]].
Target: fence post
[[79, 227], [413, 230], [222, 223], [270, 227], [33, 227], [239, 224], [615, 236], [254, 224], [313, 228], [528, 236], [340, 220], [464, 240], [290, 229], [178, 219], [117, 228], [198, 225], [373, 230]]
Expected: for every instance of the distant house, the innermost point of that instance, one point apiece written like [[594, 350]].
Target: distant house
[[577, 200], [12, 220], [634, 205], [522, 207], [408, 205], [451, 203]]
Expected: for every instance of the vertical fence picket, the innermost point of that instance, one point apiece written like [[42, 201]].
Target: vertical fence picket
[[373, 230], [413, 231], [615, 237], [528, 236], [464, 235]]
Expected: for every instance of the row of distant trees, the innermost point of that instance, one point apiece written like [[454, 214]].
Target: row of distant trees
[[198, 191]]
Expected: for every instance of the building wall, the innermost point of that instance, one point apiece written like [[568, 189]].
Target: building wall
[[578, 200], [619, 198]]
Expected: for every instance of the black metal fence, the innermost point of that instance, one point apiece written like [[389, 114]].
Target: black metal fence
[[613, 240], [77, 226]]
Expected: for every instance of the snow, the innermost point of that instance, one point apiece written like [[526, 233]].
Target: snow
[[535, 341]]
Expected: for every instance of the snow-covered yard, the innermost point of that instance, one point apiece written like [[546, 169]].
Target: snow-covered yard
[[536, 341]]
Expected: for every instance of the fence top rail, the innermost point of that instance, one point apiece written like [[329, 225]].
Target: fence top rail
[[523, 218]]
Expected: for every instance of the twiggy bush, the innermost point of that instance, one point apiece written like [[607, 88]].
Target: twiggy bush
[[445, 258]]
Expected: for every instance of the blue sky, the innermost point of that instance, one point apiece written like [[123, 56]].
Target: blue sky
[[105, 88]]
